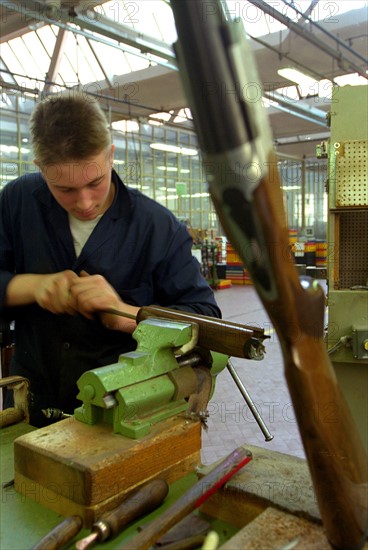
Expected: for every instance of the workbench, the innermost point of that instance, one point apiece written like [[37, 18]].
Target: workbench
[[24, 521], [269, 502]]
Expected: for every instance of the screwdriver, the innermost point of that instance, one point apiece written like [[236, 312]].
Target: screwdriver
[[142, 501]]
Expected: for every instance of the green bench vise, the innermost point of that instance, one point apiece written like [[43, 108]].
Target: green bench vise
[[165, 376]]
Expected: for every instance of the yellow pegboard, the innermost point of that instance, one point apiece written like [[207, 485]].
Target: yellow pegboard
[[351, 173]]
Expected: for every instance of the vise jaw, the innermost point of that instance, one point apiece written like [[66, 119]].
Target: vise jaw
[[147, 385]]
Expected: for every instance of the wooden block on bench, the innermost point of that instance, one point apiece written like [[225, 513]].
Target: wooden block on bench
[[73, 468]]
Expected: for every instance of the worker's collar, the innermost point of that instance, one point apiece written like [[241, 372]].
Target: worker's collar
[[122, 204]]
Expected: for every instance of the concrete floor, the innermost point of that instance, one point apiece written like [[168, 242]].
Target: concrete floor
[[231, 422]]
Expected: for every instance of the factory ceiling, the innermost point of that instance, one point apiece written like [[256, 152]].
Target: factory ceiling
[[122, 52]]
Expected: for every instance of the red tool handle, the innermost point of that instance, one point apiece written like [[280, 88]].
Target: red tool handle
[[192, 499]]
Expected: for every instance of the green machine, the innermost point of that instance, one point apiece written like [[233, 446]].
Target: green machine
[[347, 260]]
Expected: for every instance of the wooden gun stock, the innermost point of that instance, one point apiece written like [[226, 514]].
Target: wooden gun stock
[[336, 457], [214, 334], [222, 88], [335, 454]]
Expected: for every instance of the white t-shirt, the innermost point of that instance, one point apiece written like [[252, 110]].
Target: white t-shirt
[[81, 230]]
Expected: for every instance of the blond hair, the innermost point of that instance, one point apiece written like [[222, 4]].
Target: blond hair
[[68, 127]]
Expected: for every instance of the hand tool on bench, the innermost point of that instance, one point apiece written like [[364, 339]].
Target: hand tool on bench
[[191, 499], [141, 502], [215, 58], [189, 543], [189, 533], [60, 535]]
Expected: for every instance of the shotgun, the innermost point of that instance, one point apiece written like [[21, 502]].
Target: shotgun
[[214, 334], [225, 97]]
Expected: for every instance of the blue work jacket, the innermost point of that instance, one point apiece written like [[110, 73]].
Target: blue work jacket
[[142, 250]]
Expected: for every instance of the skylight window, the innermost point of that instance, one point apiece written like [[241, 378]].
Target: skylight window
[[85, 56], [151, 17], [325, 10], [255, 21]]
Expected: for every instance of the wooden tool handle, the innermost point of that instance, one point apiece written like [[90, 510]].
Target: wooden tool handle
[[142, 501], [61, 535], [214, 334], [192, 499]]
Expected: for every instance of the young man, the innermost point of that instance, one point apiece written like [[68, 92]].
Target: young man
[[74, 241]]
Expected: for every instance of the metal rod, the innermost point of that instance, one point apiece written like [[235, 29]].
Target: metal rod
[[113, 311], [249, 401]]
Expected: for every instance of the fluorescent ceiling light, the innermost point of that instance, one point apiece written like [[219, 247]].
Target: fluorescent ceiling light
[[174, 149], [325, 88], [139, 186], [161, 116], [352, 79], [297, 76], [183, 116], [307, 85], [125, 125], [167, 168], [9, 149], [173, 169], [186, 196], [189, 152]]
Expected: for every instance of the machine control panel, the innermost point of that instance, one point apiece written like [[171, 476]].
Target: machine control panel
[[360, 342]]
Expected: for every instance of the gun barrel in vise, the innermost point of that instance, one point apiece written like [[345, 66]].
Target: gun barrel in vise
[[215, 334]]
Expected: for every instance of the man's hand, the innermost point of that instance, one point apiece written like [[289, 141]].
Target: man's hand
[[93, 294], [53, 292], [65, 292], [50, 291]]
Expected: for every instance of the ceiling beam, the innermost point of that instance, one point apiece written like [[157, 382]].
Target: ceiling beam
[[313, 24], [305, 33], [57, 53], [71, 17]]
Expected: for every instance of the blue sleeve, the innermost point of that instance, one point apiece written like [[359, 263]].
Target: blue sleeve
[[6, 247]]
